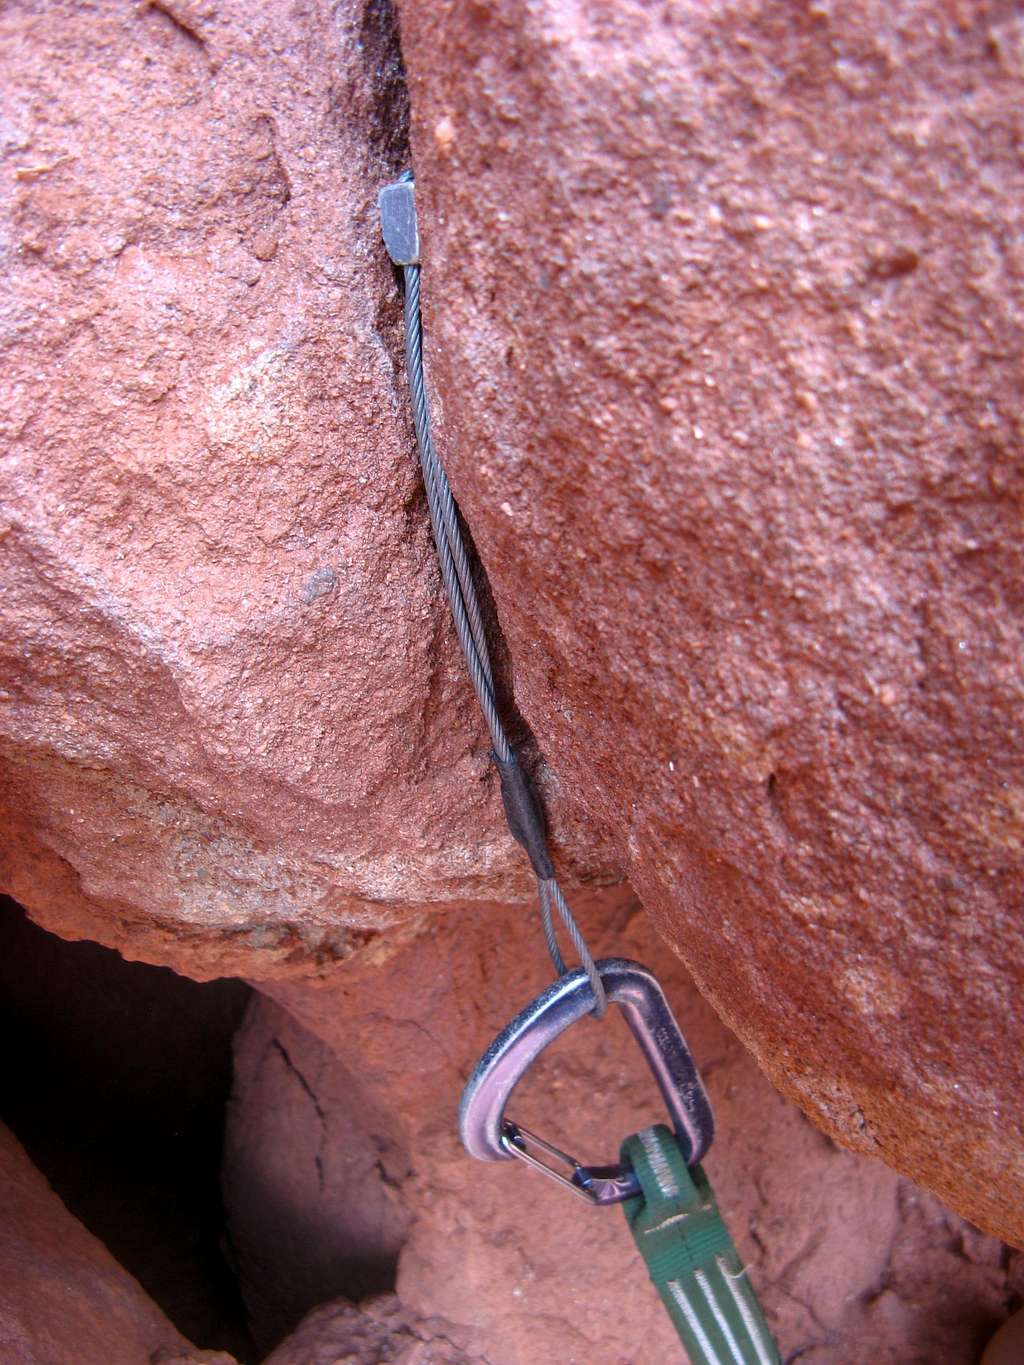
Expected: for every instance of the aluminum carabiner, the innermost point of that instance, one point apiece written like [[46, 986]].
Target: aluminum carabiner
[[489, 1136]]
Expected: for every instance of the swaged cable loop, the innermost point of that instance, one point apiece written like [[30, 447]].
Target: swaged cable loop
[[522, 809]]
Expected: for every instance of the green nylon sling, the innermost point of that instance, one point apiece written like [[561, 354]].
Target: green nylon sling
[[691, 1258]]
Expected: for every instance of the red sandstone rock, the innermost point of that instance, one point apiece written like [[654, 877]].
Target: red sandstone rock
[[724, 309], [311, 1169], [854, 1266], [723, 312], [64, 1300], [234, 727], [378, 1330], [1007, 1346]]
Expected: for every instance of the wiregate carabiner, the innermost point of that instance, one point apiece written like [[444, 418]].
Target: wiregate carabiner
[[489, 1136]]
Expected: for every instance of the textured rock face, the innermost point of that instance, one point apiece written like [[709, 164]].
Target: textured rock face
[[854, 1266], [379, 1330], [311, 1166], [724, 316], [232, 720], [63, 1297]]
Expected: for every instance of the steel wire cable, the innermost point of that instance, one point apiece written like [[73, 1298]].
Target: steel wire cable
[[451, 551], [433, 468], [548, 925], [456, 576]]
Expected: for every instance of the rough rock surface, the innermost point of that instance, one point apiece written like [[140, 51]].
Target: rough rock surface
[[723, 304], [724, 308], [855, 1266], [376, 1332], [63, 1297], [310, 1174], [231, 723]]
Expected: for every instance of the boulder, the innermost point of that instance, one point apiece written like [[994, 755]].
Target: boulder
[[235, 727], [724, 318], [311, 1174]]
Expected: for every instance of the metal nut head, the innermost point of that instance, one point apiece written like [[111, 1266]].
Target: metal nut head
[[398, 222]]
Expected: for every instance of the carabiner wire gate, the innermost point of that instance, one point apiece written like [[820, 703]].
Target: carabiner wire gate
[[593, 1184]]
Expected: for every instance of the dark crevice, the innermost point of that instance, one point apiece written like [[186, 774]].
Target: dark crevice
[[379, 44], [114, 1078], [377, 104], [381, 108], [180, 25], [310, 1093]]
